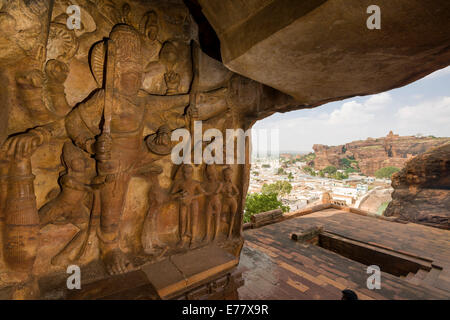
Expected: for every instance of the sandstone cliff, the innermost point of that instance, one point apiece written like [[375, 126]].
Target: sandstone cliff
[[373, 154], [422, 189]]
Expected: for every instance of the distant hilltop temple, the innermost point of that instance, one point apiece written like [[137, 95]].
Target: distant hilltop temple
[[391, 134]]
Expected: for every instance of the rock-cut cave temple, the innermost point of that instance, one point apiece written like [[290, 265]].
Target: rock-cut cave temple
[[91, 91]]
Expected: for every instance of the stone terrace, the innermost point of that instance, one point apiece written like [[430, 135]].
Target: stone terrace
[[276, 267]]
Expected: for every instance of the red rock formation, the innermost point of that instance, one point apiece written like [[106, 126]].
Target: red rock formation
[[373, 154], [422, 189]]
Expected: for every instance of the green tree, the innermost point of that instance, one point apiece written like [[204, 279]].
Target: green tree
[[349, 164], [345, 162], [308, 170], [330, 169], [339, 175], [308, 157], [350, 170], [280, 171], [281, 188], [290, 176], [260, 202], [386, 172], [265, 166]]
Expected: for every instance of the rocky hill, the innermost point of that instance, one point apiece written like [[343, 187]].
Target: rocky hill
[[373, 154], [422, 189]]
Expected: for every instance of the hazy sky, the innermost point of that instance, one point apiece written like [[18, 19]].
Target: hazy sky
[[420, 107]]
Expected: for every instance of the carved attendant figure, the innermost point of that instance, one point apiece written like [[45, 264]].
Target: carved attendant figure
[[230, 193], [187, 191], [213, 204]]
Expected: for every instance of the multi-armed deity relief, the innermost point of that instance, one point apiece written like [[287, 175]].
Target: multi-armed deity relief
[[87, 116]]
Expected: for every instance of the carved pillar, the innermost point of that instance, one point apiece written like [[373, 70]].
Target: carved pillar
[[21, 229]]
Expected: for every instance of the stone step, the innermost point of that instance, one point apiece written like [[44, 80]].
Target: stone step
[[410, 275], [417, 277], [432, 276], [421, 274]]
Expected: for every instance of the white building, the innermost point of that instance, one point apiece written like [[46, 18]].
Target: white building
[[362, 188]]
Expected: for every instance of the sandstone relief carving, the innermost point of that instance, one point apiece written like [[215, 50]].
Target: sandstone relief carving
[[85, 169], [86, 175]]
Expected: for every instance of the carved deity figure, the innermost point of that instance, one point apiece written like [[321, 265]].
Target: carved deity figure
[[213, 203], [230, 193], [187, 191], [110, 125]]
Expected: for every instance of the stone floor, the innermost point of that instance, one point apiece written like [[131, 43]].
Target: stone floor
[[276, 267]]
